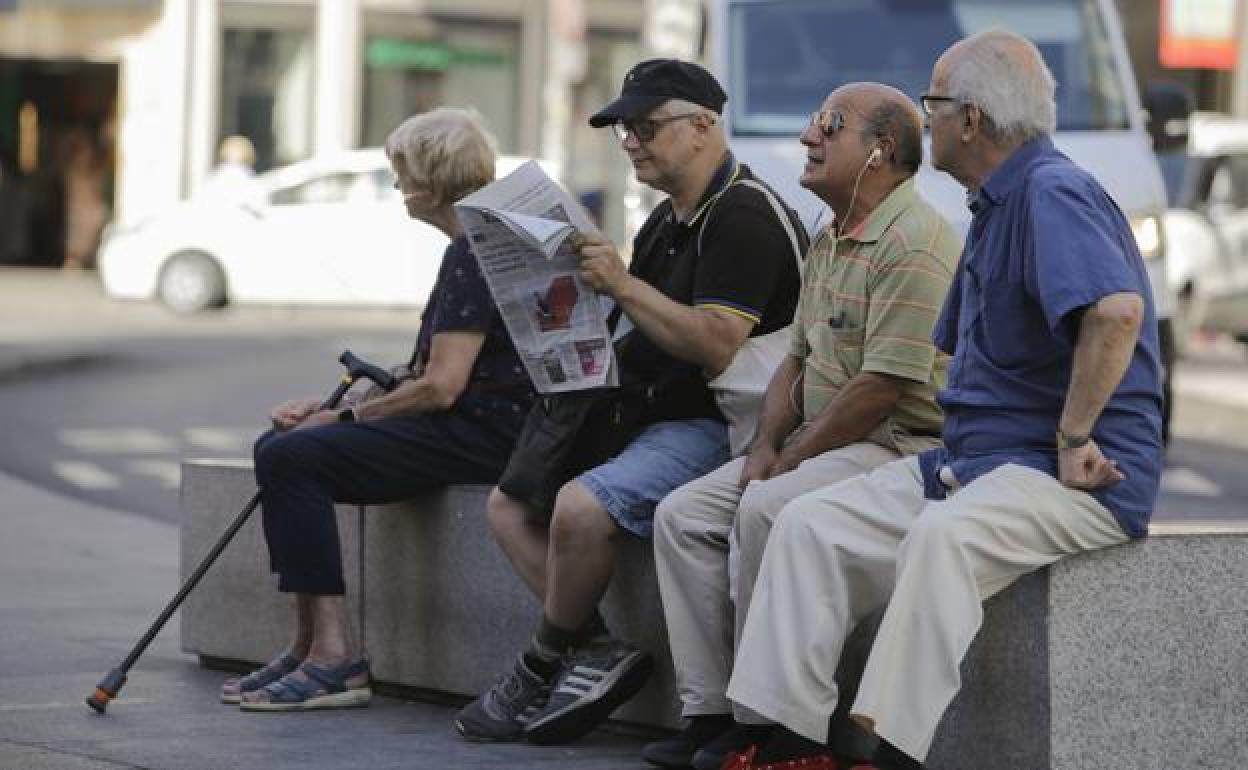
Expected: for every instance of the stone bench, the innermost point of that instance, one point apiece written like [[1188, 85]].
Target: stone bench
[[1136, 657]]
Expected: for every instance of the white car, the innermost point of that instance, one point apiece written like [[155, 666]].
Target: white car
[[329, 230], [1207, 226]]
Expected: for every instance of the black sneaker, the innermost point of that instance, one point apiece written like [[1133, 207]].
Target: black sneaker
[[501, 713], [734, 741], [594, 681], [677, 751]]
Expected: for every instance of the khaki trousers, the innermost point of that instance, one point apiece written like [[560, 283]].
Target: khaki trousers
[[841, 552], [709, 537]]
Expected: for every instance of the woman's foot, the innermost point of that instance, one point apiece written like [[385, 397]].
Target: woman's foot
[[234, 687], [314, 685]]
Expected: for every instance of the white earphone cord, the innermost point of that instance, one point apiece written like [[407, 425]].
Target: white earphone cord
[[853, 196]]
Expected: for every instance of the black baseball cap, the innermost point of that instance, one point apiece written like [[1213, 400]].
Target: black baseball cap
[[653, 82]]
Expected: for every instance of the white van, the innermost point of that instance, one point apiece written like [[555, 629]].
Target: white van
[[778, 59]]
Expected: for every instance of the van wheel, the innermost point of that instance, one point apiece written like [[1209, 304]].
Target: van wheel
[[191, 282]]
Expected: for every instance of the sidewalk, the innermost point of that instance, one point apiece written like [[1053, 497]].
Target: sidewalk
[[79, 584]]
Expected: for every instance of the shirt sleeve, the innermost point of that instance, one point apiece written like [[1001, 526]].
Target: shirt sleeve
[[1082, 249], [907, 292], [464, 302], [744, 253]]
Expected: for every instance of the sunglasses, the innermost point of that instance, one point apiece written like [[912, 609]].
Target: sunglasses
[[931, 102], [645, 130], [828, 121]]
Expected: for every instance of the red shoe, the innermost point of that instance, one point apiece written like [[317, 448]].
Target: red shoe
[[745, 761]]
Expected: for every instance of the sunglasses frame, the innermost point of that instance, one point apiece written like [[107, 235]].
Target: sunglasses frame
[[828, 121], [925, 101], [625, 128]]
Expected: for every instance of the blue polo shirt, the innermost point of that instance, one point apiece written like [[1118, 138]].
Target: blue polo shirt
[[1045, 242]]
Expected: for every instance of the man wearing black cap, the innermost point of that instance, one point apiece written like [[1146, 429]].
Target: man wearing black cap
[[715, 264]]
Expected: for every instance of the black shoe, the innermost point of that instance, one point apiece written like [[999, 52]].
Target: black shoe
[[738, 739], [594, 681], [677, 751], [502, 711]]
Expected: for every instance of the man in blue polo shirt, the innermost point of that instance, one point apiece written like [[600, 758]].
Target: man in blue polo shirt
[[1052, 435]]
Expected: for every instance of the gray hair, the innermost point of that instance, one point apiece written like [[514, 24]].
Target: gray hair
[[683, 107], [1005, 76], [448, 148]]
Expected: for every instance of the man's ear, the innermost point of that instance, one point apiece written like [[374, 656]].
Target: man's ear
[[972, 121]]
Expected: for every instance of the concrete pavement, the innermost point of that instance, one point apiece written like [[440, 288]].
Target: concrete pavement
[[79, 583]]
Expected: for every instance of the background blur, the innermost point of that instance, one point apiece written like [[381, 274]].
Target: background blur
[[113, 109]]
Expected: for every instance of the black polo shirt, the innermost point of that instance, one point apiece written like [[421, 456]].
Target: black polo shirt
[[745, 266]]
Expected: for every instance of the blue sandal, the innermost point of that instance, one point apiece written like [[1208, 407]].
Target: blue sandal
[[320, 687], [234, 687]]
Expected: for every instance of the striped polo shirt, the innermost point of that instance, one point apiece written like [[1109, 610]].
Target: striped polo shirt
[[868, 304]]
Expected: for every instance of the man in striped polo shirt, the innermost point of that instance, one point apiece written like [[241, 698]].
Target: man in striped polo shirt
[[856, 391]]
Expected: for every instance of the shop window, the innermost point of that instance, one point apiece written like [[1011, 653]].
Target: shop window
[[460, 64]]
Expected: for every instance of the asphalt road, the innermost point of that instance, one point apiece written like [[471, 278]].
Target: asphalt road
[[111, 427]]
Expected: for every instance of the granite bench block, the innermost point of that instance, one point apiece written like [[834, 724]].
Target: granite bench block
[[236, 612], [446, 612], [442, 609], [1134, 657]]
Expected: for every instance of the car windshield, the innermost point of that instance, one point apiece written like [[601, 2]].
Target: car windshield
[[787, 55]]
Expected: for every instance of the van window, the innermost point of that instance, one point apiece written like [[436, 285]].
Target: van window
[[785, 56]]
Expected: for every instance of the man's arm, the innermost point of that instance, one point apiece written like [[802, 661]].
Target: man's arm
[[859, 406], [708, 337], [1106, 341]]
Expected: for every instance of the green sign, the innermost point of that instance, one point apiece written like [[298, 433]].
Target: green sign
[[432, 56]]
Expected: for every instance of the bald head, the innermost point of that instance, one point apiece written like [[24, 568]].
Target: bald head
[[1005, 76], [888, 114]]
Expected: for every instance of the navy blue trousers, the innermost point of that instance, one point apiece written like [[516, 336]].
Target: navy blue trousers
[[302, 473]]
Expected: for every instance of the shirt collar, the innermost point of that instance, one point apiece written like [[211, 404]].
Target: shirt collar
[[1009, 174], [872, 228], [725, 175]]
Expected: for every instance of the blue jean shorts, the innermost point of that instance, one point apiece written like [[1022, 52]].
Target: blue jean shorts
[[664, 456]]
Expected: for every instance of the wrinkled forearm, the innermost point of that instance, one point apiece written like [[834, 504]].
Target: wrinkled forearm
[[864, 402], [1107, 335]]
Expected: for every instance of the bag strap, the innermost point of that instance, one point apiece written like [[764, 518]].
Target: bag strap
[[781, 214]]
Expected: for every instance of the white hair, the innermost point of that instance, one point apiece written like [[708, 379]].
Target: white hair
[[1005, 76], [684, 107], [448, 147]]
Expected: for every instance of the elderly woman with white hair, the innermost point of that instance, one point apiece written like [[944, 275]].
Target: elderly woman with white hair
[[452, 419]]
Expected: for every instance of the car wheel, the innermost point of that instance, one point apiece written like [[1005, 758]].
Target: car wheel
[[191, 282]]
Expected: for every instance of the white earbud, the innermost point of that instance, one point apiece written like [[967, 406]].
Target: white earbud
[[875, 155]]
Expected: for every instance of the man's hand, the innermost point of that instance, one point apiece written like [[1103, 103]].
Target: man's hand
[[601, 266], [788, 459], [758, 465], [1086, 468], [291, 413]]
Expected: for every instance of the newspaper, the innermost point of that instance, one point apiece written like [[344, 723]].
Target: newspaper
[[521, 229]]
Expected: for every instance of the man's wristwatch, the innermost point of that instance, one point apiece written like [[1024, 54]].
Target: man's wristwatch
[[348, 414], [1070, 440]]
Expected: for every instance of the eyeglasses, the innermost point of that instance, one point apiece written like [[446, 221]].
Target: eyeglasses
[[930, 102], [828, 121], [645, 130]]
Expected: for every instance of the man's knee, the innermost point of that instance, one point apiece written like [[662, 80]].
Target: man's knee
[[579, 519], [504, 513]]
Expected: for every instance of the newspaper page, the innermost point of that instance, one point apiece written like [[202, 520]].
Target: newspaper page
[[521, 228]]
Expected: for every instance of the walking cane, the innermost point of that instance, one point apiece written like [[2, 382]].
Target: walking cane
[[114, 680]]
